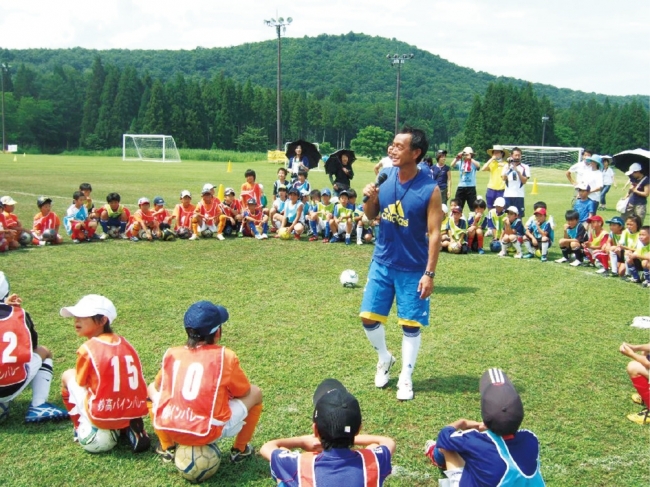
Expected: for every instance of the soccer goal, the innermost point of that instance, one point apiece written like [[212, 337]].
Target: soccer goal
[[156, 148], [560, 157]]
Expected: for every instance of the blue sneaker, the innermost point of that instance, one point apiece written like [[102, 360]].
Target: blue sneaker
[[4, 411], [481, 251], [528, 256], [334, 239], [45, 412], [347, 240]]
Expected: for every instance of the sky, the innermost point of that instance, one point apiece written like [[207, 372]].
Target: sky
[[593, 46]]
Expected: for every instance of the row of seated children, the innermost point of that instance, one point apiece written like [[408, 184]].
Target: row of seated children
[[461, 235], [201, 395]]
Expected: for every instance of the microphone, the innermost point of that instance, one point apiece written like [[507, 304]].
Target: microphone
[[380, 180]]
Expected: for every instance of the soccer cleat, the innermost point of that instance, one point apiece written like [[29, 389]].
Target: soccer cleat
[[134, 239], [194, 237], [258, 236], [602, 270], [297, 236], [527, 256], [633, 280], [75, 240], [575, 263], [103, 236], [347, 240], [404, 390], [137, 436], [313, 238], [95, 237], [334, 239], [264, 236], [167, 455], [326, 240], [607, 273], [640, 417], [481, 251], [220, 236], [518, 256], [561, 260], [544, 258], [239, 235], [429, 448], [4, 411], [45, 412], [645, 283], [636, 398], [382, 376], [503, 253], [237, 456]]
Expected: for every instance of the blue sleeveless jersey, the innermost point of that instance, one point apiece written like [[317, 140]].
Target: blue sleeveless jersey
[[402, 242]]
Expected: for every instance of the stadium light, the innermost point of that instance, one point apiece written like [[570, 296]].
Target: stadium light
[[544, 120], [280, 26], [398, 60], [3, 69]]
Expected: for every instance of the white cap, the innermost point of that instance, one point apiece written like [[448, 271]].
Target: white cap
[[4, 286], [8, 200], [444, 209], [500, 201], [143, 200], [185, 193], [91, 305], [513, 209], [633, 168], [207, 187]]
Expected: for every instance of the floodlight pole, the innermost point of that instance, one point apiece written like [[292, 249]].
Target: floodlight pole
[[3, 69], [280, 26], [398, 60], [544, 120]]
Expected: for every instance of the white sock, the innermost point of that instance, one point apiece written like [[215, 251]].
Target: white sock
[[529, 246], [544, 248], [359, 234], [410, 349], [517, 245], [41, 383], [347, 235], [613, 262], [377, 338]]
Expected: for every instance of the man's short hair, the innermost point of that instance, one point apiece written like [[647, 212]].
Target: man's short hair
[[418, 140], [515, 149]]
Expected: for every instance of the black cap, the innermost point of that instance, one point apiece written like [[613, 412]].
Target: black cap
[[344, 192], [337, 414], [43, 200], [501, 406], [294, 190]]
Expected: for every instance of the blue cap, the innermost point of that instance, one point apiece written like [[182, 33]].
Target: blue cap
[[158, 200], [205, 317], [326, 191], [617, 220]]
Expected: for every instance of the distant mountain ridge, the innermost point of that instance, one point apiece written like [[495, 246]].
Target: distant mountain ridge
[[353, 64]]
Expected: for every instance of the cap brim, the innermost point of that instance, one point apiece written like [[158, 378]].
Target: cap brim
[[76, 312], [326, 386]]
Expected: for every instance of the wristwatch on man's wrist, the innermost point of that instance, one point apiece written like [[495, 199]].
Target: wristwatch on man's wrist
[[430, 274]]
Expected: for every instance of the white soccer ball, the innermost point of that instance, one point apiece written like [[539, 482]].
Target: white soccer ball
[[25, 238], [197, 463], [49, 235], [142, 234], [96, 440], [349, 278], [207, 233], [114, 232], [455, 248]]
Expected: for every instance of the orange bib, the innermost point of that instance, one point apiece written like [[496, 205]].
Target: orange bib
[[15, 348]]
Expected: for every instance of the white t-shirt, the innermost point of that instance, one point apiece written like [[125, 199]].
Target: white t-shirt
[[595, 180], [579, 169], [608, 177], [514, 188], [386, 162]]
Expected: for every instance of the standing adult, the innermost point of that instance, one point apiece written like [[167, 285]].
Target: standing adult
[[496, 185], [385, 162], [341, 174], [579, 168], [593, 177], [404, 261], [515, 175], [441, 174], [297, 163], [467, 167], [639, 189], [608, 181]]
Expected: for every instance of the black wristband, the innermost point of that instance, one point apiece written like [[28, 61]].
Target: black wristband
[[430, 274]]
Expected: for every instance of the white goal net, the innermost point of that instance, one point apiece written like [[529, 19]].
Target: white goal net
[[559, 157], [156, 148]]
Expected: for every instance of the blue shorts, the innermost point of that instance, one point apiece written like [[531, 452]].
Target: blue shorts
[[385, 284], [491, 195], [518, 202], [114, 222]]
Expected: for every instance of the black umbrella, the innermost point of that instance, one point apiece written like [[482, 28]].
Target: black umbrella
[[623, 160], [309, 151], [335, 158]]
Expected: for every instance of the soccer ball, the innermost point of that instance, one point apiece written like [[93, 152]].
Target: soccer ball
[[95, 440], [25, 239], [183, 232], [207, 233], [49, 235], [197, 463], [455, 248], [142, 234], [349, 278], [284, 233], [495, 246], [114, 232], [538, 253], [168, 234]]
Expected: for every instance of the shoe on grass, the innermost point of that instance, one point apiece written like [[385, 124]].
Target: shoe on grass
[[138, 437], [602, 270], [405, 390], [636, 398], [237, 456], [382, 376], [641, 417], [45, 412], [528, 256], [4, 411], [575, 263], [429, 448], [167, 456], [220, 236]]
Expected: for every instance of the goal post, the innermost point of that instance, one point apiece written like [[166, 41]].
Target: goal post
[[147, 147], [545, 156]]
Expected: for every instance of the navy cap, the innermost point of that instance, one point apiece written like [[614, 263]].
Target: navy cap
[[294, 190], [158, 200], [344, 192], [205, 317], [501, 406], [326, 191], [337, 414], [617, 220], [252, 201]]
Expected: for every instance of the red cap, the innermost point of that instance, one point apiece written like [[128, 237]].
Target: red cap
[[540, 211], [595, 218]]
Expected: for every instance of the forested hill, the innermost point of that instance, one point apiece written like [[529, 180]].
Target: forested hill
[[353, 65]]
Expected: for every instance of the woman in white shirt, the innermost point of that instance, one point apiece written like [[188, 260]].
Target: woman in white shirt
[[593, 177], [608, 181]]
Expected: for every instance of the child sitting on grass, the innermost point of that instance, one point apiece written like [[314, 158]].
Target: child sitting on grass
[[630, 237], [539, 235], [496, 222], [231, 214], [183, 214], [113, 215], [513, 233], [162, 215], [638, 370], [255, 222], [456, 231], [15, 234], [46, 224], [324, 214], [494, 451], [595, 247], [615, 252], [639, 260], [77, 222], [107, 390], [477, 227], [144, 224], [574, 236], [329, 456], [220, 402]]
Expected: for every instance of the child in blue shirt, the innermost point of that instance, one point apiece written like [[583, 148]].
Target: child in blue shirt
[[574, 236], [583, 204], [539, 235], [513, 233]]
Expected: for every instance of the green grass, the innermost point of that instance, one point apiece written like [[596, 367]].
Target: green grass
[[554, 329]]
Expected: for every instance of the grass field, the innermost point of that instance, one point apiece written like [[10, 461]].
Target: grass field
[[554, 329]]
